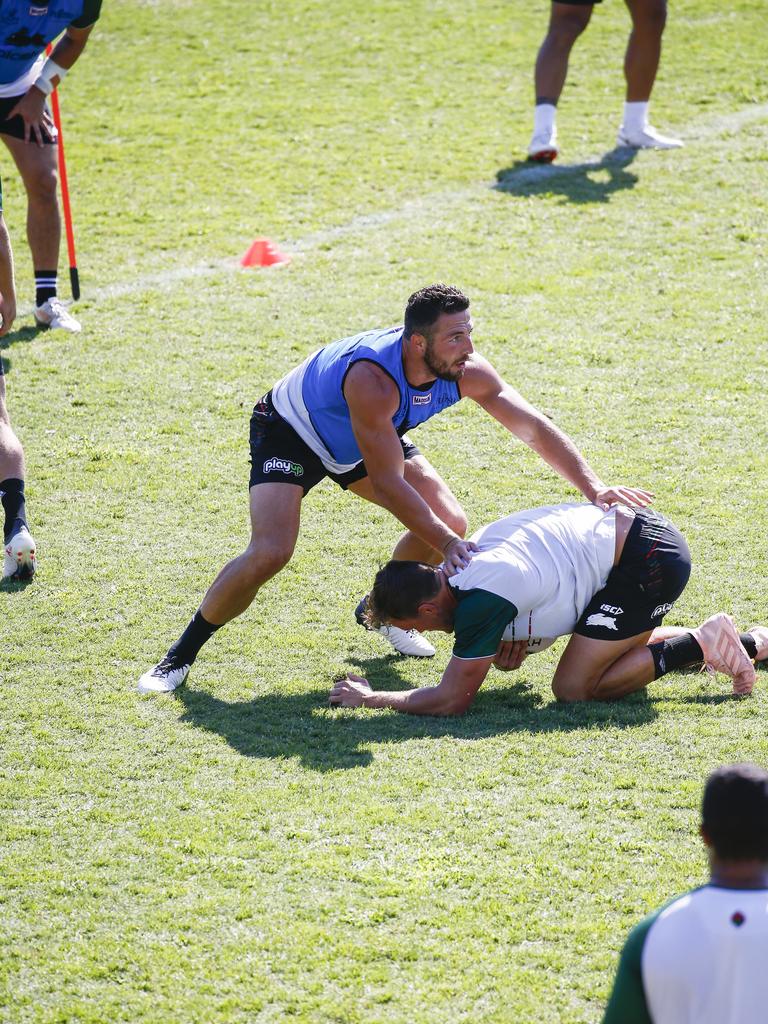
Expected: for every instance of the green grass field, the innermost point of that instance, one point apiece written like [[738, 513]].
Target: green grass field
[[240, 852]]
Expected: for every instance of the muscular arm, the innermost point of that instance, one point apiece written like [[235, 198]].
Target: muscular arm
[[372, 397], [484, 385], [70, 46], [31, 106], [452, 695]]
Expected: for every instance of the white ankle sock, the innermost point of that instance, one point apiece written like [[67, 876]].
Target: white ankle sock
[[544, 118], [635, 116]]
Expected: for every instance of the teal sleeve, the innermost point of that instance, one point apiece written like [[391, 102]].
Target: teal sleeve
[[628, 1004], [91, 12], [481, 618]]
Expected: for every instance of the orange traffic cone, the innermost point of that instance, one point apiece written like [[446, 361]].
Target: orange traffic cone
[[263, 253]]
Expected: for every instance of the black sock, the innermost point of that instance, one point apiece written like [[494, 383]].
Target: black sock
[[12, 498], [45, 285], [186, 648], [678, 652], [682, 651]]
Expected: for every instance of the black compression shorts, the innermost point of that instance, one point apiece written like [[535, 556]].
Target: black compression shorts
[[15, 127], [650, 576], [280, 456]]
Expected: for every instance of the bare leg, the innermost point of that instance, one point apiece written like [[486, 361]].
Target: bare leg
[[641, 61], [275, 516], [38, 167], [437, 494], [566, 24], [11, 453], [603, 669]]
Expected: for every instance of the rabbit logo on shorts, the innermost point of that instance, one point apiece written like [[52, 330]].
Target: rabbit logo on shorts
[[598, 619]]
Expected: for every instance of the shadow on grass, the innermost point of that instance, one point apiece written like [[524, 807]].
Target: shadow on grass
[[592, 182], [27, 333], [323, 738], [12, 586]]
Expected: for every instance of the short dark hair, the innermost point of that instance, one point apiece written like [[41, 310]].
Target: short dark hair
[[734, 812], [398, 590], [425, 306]]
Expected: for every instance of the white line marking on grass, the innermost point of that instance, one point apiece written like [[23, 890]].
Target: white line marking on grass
[[707, 128]]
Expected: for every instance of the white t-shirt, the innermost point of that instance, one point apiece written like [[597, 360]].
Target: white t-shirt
[[699, 960], [546, 562]]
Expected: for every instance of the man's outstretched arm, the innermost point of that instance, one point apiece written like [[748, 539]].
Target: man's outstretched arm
[[484, 385], [452, 696]]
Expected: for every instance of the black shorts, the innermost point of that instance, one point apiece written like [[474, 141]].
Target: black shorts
[[650, 576], [15, 127], [280, 456]]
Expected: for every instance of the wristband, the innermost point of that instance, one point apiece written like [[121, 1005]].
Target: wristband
[[50, 71], [448, 543]]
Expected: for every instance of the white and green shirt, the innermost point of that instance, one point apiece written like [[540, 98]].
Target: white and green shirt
[[699, 960], [534, 575]]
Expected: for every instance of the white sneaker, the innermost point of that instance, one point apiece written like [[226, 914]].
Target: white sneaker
[[543, 148], [163, 678], [646, 138], [407, 641], [20, 556], [53, 313]]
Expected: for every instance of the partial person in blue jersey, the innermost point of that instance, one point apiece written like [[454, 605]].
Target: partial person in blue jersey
[[27, 78], [344, 413]]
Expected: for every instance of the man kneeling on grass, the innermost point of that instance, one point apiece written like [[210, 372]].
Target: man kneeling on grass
[[608, 578]]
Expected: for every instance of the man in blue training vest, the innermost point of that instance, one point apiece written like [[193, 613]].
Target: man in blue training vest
[[27, 77], [343, 413]]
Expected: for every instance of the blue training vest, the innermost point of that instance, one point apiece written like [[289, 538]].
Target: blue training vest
[[322, 393]]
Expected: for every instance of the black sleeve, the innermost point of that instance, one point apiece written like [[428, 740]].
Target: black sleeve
[[91, 12]]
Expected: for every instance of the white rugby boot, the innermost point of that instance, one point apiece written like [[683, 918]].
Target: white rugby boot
[[20, 556], [646, 137], [54, 314], [543, 148], [165, 677], [405, 641]]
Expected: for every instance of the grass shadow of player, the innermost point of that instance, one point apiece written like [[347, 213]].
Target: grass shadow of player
[[304, 726], [21, 334], [594, 181], [8, 585]]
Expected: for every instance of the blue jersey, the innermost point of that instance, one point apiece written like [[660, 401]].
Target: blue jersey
[[311, 397], [27, 26]]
